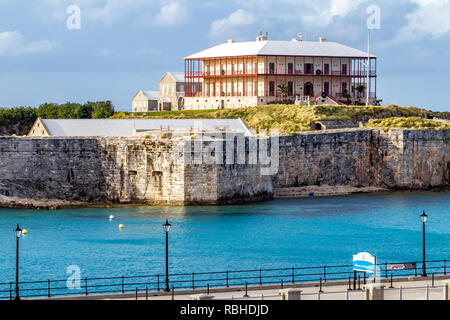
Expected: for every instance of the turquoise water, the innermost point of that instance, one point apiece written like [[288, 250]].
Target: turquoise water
[[279, 233]]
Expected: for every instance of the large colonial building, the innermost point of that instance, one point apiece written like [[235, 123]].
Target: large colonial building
[[240, 74]]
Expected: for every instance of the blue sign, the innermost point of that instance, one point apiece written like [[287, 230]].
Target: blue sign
[[364, 261]]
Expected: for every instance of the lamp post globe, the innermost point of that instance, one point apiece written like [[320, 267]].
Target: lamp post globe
[[17, 233], [167, 227], [423, 218]]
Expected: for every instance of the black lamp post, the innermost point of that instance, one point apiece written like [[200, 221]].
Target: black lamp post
[[423, 218], [166, 227], [18, 233]]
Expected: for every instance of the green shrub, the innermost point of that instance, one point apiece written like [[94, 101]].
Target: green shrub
[[94, 110], [407, 122], [25, 115]]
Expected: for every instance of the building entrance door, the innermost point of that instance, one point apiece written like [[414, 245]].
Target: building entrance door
[[180, 103], [309, 89]]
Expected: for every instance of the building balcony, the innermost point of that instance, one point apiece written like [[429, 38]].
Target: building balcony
[[359, 74], [372, 73]]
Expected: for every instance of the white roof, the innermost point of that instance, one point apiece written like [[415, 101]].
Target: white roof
[[126, 127], [177, 76], [151, 95], [280, 48]]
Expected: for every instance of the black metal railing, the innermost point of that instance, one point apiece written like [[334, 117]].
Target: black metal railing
[[202, 280]]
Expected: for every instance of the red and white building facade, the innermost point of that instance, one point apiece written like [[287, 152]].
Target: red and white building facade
[[242, 74]]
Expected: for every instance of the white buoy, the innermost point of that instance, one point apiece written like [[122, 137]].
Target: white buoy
[[111, 217]]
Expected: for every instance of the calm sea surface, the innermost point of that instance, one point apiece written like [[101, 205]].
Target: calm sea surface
[[279, 233]]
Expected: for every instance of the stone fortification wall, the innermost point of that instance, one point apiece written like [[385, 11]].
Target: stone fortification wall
[[146, 170]]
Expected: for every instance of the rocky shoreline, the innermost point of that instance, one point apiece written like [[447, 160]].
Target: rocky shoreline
[[341, 190], [279, 193], [323, 191], [44, 204]]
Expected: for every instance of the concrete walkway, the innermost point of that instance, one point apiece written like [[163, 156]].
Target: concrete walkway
[[412, 289]]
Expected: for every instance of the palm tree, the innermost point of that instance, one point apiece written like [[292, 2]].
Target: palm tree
[[283, 89], [360, 88]]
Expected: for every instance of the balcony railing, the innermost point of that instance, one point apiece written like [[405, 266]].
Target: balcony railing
[[355, 73], [352, 73]]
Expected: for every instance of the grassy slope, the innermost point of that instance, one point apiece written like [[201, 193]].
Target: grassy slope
[[407, 122], [291, 118]]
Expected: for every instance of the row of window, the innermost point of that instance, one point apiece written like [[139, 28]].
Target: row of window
[[308, 88], [308, 68], [165, 88], [272, 88]]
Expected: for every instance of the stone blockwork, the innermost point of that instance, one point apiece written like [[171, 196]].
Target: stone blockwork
[[419, 159], [398, 159], [218, 180], [342, 158], [94, 170], [113, 170], [110, 170]]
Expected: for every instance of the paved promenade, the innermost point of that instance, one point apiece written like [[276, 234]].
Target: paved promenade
[[403, 289], [411, 290]]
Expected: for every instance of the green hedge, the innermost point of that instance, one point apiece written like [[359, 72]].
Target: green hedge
[[89, 110], [16, 115]]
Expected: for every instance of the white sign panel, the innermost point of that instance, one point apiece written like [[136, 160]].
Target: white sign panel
[[364, 261]]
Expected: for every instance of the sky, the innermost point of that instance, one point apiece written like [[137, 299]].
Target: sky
[[89, 50]]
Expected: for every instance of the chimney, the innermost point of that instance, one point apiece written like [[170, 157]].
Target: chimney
[[230, 41], [322, 39], [261, 37], [299, 38]]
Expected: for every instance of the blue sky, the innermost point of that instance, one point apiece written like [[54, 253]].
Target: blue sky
[[127, 45]]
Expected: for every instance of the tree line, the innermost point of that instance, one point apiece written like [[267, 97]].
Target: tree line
[[89, 110]]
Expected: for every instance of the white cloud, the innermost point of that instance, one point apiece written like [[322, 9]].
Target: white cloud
[[431, 17], [110, 11], [236, 19], [14, 43], [106, 11], [315, 13], [291, 16], [323, 15], [171, 14]]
